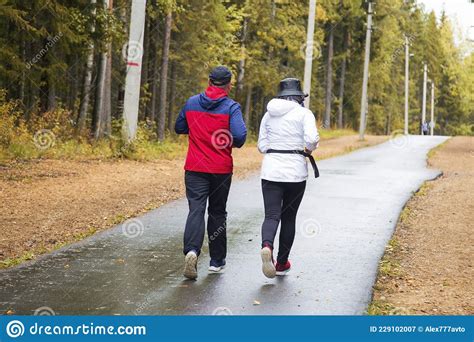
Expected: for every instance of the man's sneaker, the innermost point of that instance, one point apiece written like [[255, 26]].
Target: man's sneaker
[[216, 266], [190, 265], [282, 269], [268, 266]]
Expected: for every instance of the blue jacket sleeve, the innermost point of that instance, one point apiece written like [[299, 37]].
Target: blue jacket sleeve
[[237, 126], [181, 125]]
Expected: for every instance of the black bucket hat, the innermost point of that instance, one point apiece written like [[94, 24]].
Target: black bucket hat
[[289, 87]]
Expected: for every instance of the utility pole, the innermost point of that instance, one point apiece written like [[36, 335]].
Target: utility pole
[[407, 70], [365, 81], [423, 108], [134, 67], [432, 124], [308, 60]]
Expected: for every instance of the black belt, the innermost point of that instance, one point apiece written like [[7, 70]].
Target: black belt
[[303, 153]]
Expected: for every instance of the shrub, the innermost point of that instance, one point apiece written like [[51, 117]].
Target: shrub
[[461, 129], [11, 123]]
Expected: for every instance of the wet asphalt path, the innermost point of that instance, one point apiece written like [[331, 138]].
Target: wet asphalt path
[[346, 219]]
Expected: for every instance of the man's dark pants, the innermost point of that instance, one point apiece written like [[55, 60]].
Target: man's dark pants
[[201, 187]]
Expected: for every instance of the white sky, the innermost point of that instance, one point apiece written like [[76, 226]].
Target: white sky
[[461, 13]]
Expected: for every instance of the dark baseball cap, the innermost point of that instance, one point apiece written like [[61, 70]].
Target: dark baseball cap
[[220, 75]]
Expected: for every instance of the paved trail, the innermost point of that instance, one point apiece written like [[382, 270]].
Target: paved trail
[[345, 221]]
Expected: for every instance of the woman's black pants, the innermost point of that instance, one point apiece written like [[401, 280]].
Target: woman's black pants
[[281, 200]]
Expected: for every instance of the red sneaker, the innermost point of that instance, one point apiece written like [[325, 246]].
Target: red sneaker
[[282, 269]]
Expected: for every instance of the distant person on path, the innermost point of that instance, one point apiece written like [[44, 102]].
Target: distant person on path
[[424, 128], [215, 125], [287, 135]]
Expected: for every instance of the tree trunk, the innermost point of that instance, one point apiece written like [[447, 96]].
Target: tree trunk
[[327, 109], [261, 112], [248, 103], [102, 91], [75, 84], [154, 89], [23, 76], [257, 101], [340, 116], [29, 93], [150, 112], [145, 61], [124, 17], [43, 96], [34, 98], [107, 112], [241, 75], [172, 106], [388, 123], [164, 76], [86, 86], [51, 94], [107, 108], [99, 97]]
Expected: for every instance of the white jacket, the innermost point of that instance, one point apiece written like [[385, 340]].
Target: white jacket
[[286, 126]]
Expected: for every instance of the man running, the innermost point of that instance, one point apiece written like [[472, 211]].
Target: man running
[[215, 125]]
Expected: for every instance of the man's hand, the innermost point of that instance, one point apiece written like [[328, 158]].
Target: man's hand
[[307, 151]]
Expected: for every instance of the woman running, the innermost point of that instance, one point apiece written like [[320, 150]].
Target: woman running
[[287, 135]]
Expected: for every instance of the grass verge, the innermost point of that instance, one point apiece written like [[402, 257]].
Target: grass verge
[[335, 133], [31, 255]]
